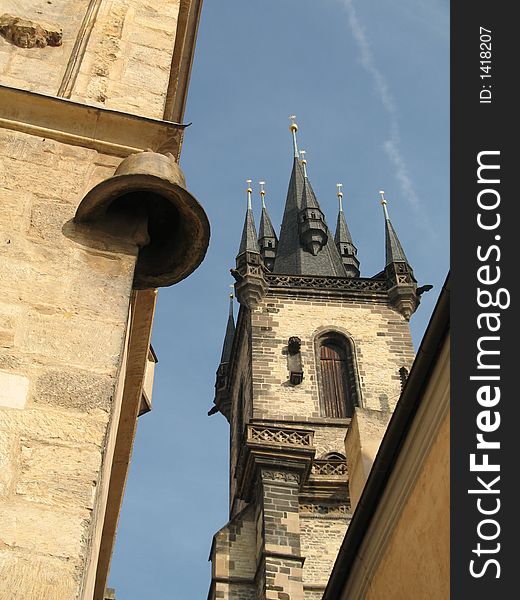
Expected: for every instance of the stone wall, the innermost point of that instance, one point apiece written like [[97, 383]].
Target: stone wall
[[321, 538], [114, 53], [382, 345], [64, 306]]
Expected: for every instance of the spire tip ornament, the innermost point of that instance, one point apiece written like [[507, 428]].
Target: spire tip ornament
[[294, 128], [262, 192], [249, 191], [339, 194], [303, 161]]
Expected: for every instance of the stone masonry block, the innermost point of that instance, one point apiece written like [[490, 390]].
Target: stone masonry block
[[76, 390]]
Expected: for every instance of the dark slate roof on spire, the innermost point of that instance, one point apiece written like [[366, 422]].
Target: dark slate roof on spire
[[230, 334], [249, 241], [266, 227], [394, 250], [291, 258], [309, 198], [342, 235]]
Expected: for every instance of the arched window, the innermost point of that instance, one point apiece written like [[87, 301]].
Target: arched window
[[338, 391]]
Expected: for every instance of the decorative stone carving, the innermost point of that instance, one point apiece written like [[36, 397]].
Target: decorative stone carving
[[293, 437], [294, 360], [285, 476], [26, 33], [328, 283], [329, 467], [325, 509]]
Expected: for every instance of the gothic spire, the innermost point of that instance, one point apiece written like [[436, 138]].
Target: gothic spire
[[343, 240], [250, 284], [394, 250], [306, 246], [230, 334], [402, 285], [249, 242], [222, 400], [267, 239]]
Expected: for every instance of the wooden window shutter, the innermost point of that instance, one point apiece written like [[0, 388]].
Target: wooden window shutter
[[336, 399]]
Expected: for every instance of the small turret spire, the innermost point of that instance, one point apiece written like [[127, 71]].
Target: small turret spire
[[394, 250], [248, 242], [294, 128], [343, 239], [250, 284], [399, 274], [304, 162], [267, 239], [222, 400]]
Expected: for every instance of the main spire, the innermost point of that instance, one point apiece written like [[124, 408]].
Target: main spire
[[305, 246], [343, 239]]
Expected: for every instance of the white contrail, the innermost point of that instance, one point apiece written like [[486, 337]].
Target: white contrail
[[392, 145]]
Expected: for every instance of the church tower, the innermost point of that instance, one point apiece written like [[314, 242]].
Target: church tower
[[315, 347]]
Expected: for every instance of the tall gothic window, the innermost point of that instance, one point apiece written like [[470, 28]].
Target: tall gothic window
[[338, 390]]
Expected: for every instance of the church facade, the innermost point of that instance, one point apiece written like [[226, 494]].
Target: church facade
[[316, 349]]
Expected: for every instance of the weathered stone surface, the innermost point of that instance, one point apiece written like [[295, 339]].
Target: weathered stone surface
[[38, 577], [13, 390], [7, 441], [74, 390], [41, 530], [58, 475], [27, 33], [51, 426]]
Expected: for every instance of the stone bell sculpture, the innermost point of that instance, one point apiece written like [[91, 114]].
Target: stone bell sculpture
[[149, 189]]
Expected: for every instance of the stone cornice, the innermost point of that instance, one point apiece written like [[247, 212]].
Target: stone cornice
[[107, 131], [343, 287]]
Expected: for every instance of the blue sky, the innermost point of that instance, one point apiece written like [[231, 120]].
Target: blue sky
[[369, 84]]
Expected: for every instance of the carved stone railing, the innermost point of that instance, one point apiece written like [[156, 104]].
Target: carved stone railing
[[326, 283], [329, 467], [278, 435]]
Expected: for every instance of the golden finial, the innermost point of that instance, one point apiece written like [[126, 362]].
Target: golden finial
[[304, 162], [294, 128], [249, 192], [262, 192], [339, 194]]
